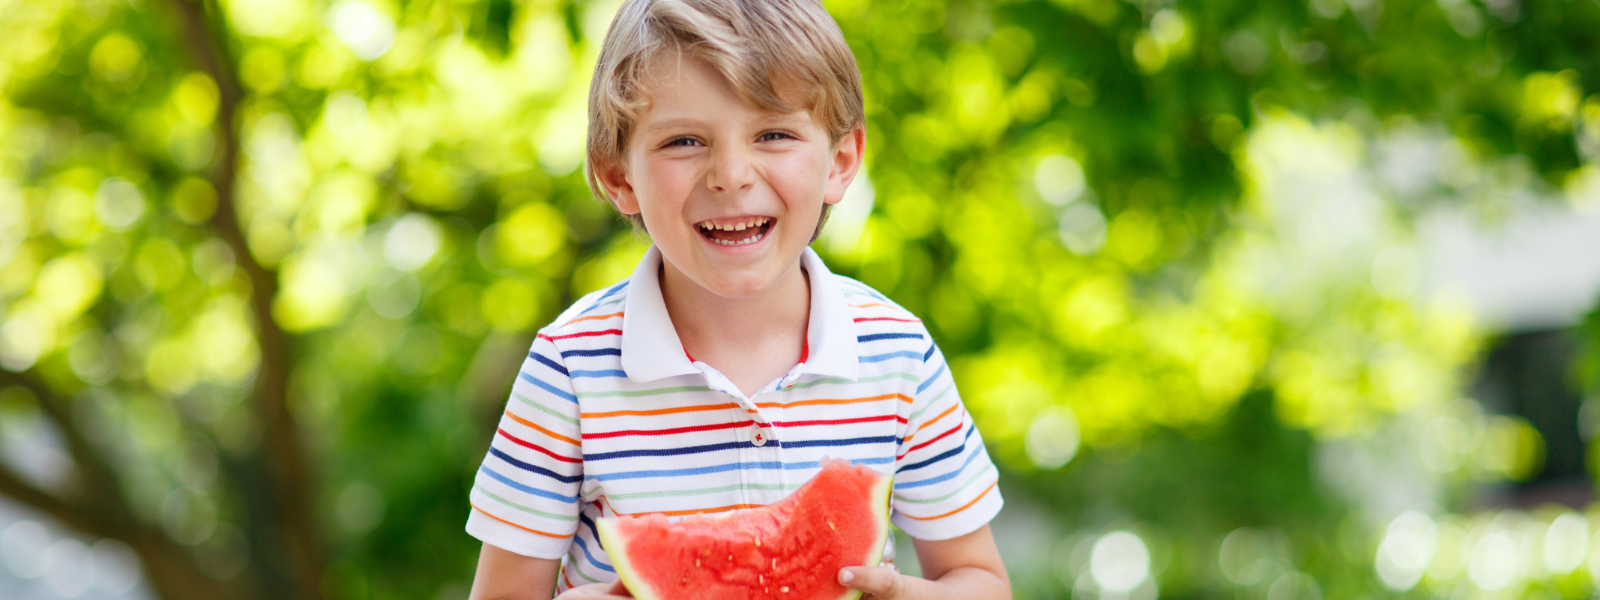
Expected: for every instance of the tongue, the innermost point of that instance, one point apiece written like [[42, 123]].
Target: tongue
[[734, 236]]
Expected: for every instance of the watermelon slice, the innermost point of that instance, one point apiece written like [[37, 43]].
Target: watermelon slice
[[789, 550]]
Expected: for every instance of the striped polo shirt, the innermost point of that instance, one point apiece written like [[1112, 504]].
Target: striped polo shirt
[[609, 416]]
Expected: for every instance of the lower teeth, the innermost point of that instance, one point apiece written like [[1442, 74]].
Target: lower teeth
[[749, 240]]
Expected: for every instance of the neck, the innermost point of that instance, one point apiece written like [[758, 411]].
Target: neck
[[718, 329]]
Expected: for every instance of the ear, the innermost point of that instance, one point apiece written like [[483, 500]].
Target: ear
[[614, 179], [847, 156]]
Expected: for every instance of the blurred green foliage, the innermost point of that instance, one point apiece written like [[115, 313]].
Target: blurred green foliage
[[267, 268]]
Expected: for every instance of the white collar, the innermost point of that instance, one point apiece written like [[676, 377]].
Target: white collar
[[651, 348]]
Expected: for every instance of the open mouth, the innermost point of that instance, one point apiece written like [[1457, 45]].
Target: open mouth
[[737, 231]]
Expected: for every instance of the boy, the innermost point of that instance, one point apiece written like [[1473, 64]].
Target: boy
[[720, 373]]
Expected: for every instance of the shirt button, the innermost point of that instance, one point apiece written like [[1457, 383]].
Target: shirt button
[[757, 436]]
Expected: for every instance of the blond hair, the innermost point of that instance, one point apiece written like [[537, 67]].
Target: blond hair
[[780, 55]]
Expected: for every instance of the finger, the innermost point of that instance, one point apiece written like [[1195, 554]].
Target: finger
[[878, 581], [593, 591], [619, 590]]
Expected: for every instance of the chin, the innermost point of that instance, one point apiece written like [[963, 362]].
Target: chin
[[740, 285]]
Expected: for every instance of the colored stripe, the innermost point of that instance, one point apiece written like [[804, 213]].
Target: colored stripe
[[883, 357], [723, 468], [532, 446], [976, 452], [589, 555], [887, 336], [557, 392], [862, 289], [578, 568], [532, 468], [942, 415], [714, 490], [843, 381], [929, 354], [844, 442], [694, 511], [581, 334], [838, 421], [654, 392], [932, 402], [594, 352], [866, 319], [599, 302], [963, 487], [902, 397], [942, 455], [585, 521], [670, 431], [600, 373], [935, 439], [547, 362], [527, 529], [599, 456], [924, 385], [542, 430], [963, 507], [513, 505], [527, 489], [545, 409], [658, 411], [872, 304], [594, 318]]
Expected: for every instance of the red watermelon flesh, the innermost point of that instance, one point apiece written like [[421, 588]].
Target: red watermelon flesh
[[789, 550]]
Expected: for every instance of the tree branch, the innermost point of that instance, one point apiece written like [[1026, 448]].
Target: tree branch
[[283, 452], [101, 510], [101, 488], [15, 488]]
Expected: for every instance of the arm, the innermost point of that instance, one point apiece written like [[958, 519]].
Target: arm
[[506, 575], [961, 568]]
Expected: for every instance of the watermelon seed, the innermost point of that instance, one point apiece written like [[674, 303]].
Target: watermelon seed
[[761, 579], [758, 542], [784, 589], [774, 564], [696, 562], [830, 526]]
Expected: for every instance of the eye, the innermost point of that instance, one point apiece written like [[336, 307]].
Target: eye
[[681, 141], [775, 135]]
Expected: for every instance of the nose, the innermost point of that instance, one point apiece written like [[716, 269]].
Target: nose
[[731, 171]]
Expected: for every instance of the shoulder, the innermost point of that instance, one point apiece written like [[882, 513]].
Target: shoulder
[[869, 306], [876, 315], [596, 309]]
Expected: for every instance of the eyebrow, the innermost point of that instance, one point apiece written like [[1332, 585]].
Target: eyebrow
[[782, 119]]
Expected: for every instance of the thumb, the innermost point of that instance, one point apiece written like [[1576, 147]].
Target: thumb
[[877, 581]]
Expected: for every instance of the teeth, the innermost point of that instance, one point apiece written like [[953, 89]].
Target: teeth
[[739, 225], [749, 240]]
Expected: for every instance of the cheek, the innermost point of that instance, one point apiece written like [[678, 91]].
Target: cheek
[[802, 177], [663, 184]]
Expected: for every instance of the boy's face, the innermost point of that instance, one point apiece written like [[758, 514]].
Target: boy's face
[[731, 193]]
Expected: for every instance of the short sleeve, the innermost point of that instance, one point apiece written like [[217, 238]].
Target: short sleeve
[[525, 495], [944, 484]]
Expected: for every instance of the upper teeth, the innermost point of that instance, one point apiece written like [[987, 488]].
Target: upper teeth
[[737, 224]]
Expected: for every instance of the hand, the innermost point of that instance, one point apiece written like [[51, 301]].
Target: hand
[[597, 591], [879, 583]]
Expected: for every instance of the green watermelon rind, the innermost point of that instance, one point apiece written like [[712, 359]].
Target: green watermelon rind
[[611, 538]]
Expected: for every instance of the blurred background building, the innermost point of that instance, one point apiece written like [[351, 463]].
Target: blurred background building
[[1266, 301]]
